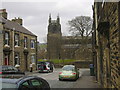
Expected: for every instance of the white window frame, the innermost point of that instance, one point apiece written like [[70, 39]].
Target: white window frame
[[103, 3], [32, 44], [7, 38], [33, 58], [18, 59], [25, 42], [17, 39]]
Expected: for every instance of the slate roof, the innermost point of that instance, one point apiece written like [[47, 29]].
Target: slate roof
[[15, 26]]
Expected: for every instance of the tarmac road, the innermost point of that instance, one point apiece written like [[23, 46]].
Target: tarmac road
[[85, 80]]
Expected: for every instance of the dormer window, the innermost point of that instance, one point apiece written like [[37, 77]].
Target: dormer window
[[16, 39], [32, 44], [6, 42]]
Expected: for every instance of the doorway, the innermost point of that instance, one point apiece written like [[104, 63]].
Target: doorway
[[6, 60], [26, 62]]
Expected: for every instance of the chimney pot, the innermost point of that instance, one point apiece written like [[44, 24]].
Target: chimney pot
[[3, 13], [18, 20]]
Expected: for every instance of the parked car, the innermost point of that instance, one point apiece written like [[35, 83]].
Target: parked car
[[25, 83], [45, 66], [10, 72], [69, 72]]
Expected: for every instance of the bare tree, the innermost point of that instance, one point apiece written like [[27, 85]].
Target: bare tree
[[81, 26]]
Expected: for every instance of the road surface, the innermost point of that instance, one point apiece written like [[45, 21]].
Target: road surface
[[85, 80]]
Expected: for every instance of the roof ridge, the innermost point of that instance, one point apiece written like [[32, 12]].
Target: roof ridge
[[10, 24]]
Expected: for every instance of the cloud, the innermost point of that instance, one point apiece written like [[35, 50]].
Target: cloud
[[35, 13]]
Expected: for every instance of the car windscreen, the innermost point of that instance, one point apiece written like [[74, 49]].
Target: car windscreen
[[68, 68], [9, 85]]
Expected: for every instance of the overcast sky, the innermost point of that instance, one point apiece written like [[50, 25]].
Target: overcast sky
[[35, 13]]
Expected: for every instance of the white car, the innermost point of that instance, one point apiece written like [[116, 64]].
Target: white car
[[45, 66]]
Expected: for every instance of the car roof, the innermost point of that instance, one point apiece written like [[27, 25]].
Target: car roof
[[8, 80], [6, 66], [69, 66]]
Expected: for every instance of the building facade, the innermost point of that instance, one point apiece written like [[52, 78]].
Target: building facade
[[18, 46], [106, 43]]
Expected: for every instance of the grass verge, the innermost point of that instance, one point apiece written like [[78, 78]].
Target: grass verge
[[59, 61]]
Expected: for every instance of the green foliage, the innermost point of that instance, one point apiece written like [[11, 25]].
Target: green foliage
[[60, 61], [42, 60], [42, 46]]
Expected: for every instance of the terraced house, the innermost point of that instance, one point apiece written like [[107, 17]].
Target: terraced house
[[106, 45], [18, 46]]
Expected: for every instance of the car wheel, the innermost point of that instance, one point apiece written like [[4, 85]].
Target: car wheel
[[48, 71], [77, 76], [60, 79], [52, 70]]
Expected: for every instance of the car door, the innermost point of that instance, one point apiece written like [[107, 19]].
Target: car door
[[39, 84]]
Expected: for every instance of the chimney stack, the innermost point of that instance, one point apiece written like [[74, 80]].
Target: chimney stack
[[3, 13], [18, 20]]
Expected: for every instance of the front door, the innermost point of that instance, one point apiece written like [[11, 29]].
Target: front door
[[6, 60], [26, 63]]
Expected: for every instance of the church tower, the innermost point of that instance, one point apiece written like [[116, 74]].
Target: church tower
[[54, 38]]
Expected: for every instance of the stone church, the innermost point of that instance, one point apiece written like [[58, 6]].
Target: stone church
[[62, 47]]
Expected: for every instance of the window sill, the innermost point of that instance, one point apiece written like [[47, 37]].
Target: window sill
[[32, 48], [17, 65], [25, 48], [6, 45], [17, 46]]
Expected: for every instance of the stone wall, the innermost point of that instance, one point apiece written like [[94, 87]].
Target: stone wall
[[83, 53], [108, 44], [114, 44]]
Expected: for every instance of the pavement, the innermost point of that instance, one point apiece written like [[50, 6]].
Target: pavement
[[30, 73]]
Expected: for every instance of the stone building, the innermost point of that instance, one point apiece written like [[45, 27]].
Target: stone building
[[18, 46], [54, 39], [106, 43], [62, 47], [72, 48]]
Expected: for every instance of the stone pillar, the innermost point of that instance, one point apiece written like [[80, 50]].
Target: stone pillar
[[1, 44]]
